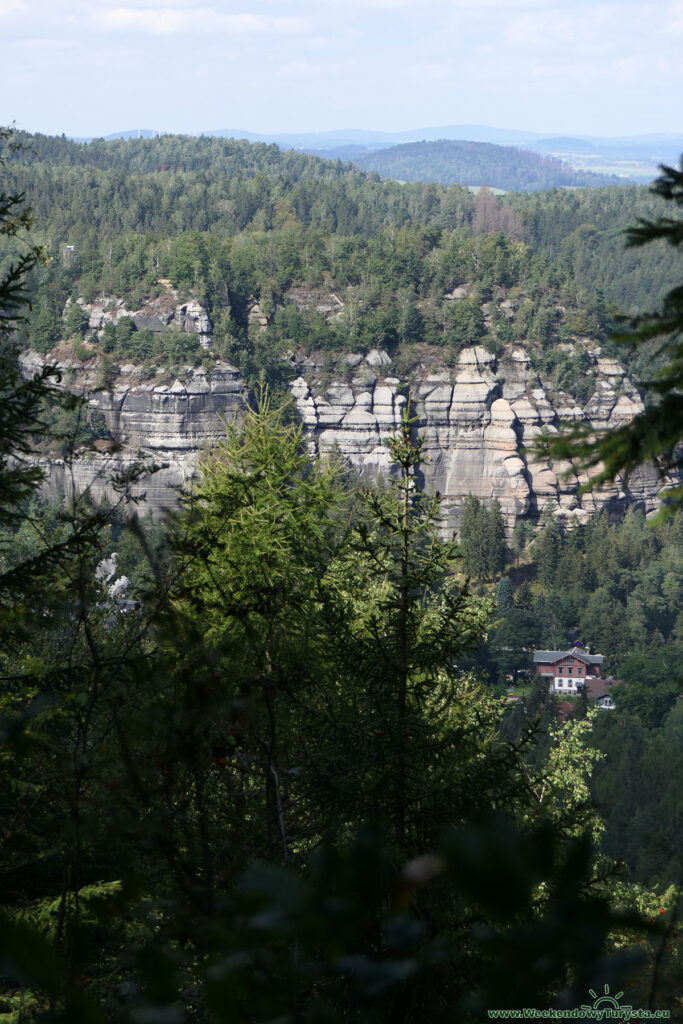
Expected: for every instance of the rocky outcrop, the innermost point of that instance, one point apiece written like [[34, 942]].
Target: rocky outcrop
[[325, 302], [163, 427], [479, 421], [166, 312], [183, 416], [101, 475]]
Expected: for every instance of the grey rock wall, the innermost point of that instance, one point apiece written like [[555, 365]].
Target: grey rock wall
[[478, 420], [180, 417], [166, 312], [166, 426]]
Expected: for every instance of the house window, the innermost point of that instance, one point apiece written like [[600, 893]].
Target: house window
[[570, 670], [560, 670]]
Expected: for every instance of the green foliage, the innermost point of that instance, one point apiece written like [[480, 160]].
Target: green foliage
[[76, 320], [547, 547], [303, 676], [637, 787], [504, 598], [171, 772], [476, 163], [22, 401], [256, 539], [511, 641], [616, 586], [655, 681], [482, 538], [230, 223], [654, 435], [404, 719]]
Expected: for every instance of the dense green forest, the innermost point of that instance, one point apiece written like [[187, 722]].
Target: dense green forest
[[232, 223], [183, 778], [478, 163], [618, 587], [274, 774]]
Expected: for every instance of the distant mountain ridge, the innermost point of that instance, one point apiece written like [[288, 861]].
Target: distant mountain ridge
[[478, 163], [634, 158]]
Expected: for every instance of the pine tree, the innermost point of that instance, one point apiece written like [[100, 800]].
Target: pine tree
[[519, 535], [21, 401], [255, 541], [472, 537], [403, 722]]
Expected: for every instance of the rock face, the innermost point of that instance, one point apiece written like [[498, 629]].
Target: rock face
[[478, 421], [163, 313], [326, 302], [165, 426], [178, 418], [156, 491]]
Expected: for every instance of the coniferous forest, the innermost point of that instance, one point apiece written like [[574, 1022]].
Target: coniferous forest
[[477, 163], [305, 772]]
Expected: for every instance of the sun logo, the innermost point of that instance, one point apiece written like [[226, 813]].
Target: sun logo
[[605, 1000]]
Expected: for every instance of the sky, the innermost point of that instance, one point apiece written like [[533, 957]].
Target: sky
[[92, 67]]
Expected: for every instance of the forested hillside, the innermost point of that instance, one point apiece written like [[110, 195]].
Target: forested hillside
[[260, 762], [478, 163], [233, 224], [618, 588]]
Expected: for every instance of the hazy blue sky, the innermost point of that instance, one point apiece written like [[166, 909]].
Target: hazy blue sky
[[95, 66]]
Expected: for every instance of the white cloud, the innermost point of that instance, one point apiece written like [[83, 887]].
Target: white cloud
[[7, 6], [313, 69], [502, 4], [166, 21], [675, 12], [344, 5], [628, 67], [431, 71], [549, 28], [588, 27]]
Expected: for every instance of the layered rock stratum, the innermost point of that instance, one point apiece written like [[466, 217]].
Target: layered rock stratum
[[163, 426], [478, 420]]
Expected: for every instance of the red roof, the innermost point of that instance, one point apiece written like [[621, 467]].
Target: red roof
[[565, 709]]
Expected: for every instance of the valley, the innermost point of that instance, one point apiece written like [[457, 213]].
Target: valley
[[279, 553]]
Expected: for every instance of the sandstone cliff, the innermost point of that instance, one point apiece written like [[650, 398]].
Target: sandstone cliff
[[478, 420], [162, 425]]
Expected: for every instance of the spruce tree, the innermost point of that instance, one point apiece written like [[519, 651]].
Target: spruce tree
[[402, 724], [254, 544], [547, 547], [472, 537], [504, 597], [496, 549]]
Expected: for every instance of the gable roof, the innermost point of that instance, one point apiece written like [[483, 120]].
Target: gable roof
[[596, 688], [550, 657]]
